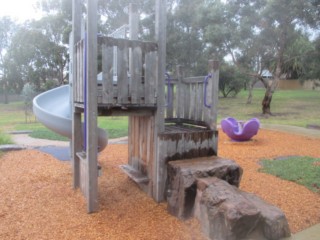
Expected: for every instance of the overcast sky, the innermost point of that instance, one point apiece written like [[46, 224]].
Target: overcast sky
[[19, 10]]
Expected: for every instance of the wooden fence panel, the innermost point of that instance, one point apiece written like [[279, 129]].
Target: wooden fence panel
[[150, 77], [136, 90], [107, 74], [122, 75]]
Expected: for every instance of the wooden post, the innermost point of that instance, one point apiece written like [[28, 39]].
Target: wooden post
[[214, 91], [134, 87], [91, 103], [76, 115], [161, 38], [135, 57]]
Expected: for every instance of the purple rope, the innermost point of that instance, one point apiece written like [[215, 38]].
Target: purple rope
[[169, 98], [85, 95], [205, 85]]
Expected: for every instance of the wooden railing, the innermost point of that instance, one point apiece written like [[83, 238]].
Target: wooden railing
[[132, 82], [193, 100]]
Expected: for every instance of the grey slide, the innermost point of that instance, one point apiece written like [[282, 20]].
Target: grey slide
[[53, 109]]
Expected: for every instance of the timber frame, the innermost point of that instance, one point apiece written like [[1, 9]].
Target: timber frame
[[162, 128]]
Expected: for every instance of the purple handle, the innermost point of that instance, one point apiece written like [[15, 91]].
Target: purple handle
[[205, 83]]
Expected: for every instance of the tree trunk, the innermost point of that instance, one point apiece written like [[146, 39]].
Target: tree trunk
[[6, 99], [253, 81], [251, 85], [5, 92], [266, 102]]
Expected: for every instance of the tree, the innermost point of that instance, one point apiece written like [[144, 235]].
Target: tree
[[282, 28], [258, 34], [6, 30], [185, 38], [38, 52]]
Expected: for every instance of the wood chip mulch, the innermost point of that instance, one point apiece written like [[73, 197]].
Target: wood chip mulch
[[37, 200]]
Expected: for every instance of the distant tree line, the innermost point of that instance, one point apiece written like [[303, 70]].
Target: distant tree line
[[246, 36]]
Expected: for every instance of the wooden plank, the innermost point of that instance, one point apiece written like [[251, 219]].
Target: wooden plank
[[196, 100], [76, 36], [133, 21], [142, 144], [123, 67], [76, 145], [135, 175], [77, 73], [76, 116], [107, 74], [210, 114], [201, 104], [214, 66], [135, 56], [136, 75], [179, 98], [136, 144], [193, 103], [186, 100], [151, 154], [81, 72], [145, 45], [170, 102], [150, 77], [130, 139], [197, 79], [84, 175]]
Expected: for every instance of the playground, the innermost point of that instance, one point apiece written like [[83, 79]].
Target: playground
[[37, 199], [171, 162]]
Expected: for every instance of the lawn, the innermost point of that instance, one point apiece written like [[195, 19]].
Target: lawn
[[13, 118], [290, 107], [302, 170]]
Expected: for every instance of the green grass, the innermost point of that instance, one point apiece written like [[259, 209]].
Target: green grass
[[301, 170], [13, 119], [115, 126], [47, 134], [290, 107], [5, 139]]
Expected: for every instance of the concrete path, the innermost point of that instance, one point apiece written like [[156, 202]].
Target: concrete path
[[293, 129], [312, 233], [26, 141]]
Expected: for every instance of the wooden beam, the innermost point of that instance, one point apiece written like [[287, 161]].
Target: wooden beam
[[91, 104], [76, 115], [161, 38], [214, 91]]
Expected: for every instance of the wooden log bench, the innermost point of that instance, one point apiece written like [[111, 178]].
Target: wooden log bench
[[226, 212], [182, 180]]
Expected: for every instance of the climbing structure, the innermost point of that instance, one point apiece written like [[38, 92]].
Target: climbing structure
[[170, 118]]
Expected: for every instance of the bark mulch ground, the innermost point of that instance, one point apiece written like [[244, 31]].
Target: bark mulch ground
[[38, 202]]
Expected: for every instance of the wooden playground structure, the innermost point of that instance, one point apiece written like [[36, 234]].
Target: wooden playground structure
[[170, 118]]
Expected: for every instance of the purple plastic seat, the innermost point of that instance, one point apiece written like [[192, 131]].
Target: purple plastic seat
[[238, 130]]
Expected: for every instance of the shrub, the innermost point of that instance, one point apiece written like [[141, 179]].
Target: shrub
[[231, 81]]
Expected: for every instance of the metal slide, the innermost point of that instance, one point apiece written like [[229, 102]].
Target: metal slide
[[53, 109]]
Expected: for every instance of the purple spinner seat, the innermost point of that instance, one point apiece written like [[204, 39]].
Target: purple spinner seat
[[239, 130]]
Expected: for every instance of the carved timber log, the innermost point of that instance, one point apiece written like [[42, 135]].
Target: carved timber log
[[182, 177]]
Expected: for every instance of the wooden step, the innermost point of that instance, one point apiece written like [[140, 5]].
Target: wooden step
[[134, 174]]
